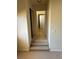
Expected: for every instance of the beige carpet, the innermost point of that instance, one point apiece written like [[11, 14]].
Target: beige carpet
[[40, 35], [39, 55]]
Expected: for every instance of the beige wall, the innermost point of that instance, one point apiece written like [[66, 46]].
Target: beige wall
[[55, 25], [23, 34], [39, 7]]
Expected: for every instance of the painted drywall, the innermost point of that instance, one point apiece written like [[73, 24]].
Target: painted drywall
[[55, 25], [42, 22], [23, 34], [39, 7]]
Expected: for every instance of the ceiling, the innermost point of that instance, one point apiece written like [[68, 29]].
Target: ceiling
[[36, 2]]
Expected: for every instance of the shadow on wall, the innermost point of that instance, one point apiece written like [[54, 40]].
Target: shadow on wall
[[21, 44], [20, 5]]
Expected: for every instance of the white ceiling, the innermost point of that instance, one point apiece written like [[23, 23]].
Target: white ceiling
[[34, 2]]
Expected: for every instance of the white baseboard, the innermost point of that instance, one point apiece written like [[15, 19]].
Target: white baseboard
[[56, 50]]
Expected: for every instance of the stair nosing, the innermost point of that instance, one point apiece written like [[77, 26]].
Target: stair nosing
[[33, 48]]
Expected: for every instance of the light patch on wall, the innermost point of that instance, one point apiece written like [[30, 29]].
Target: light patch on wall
[[21, 26], [39, 12]]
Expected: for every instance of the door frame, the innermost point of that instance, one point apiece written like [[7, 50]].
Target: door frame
[[30, 10]]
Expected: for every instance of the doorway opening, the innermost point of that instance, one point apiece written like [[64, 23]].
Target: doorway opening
[[39, 31]]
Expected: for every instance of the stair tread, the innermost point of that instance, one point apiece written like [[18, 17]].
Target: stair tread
[[39, 48], [39, 43]]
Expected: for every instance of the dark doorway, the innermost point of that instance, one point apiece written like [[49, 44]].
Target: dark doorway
[[31, 22]]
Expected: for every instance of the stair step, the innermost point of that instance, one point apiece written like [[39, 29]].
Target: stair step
[[39, 43], [42, 41], [39, 48]]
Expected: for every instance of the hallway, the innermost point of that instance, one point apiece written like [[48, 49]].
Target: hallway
[[39, 41], [39, 29], [40, 35]]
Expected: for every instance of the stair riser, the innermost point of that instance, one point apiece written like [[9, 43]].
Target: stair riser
[[38, 44], [40, 41], [39, 50]]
